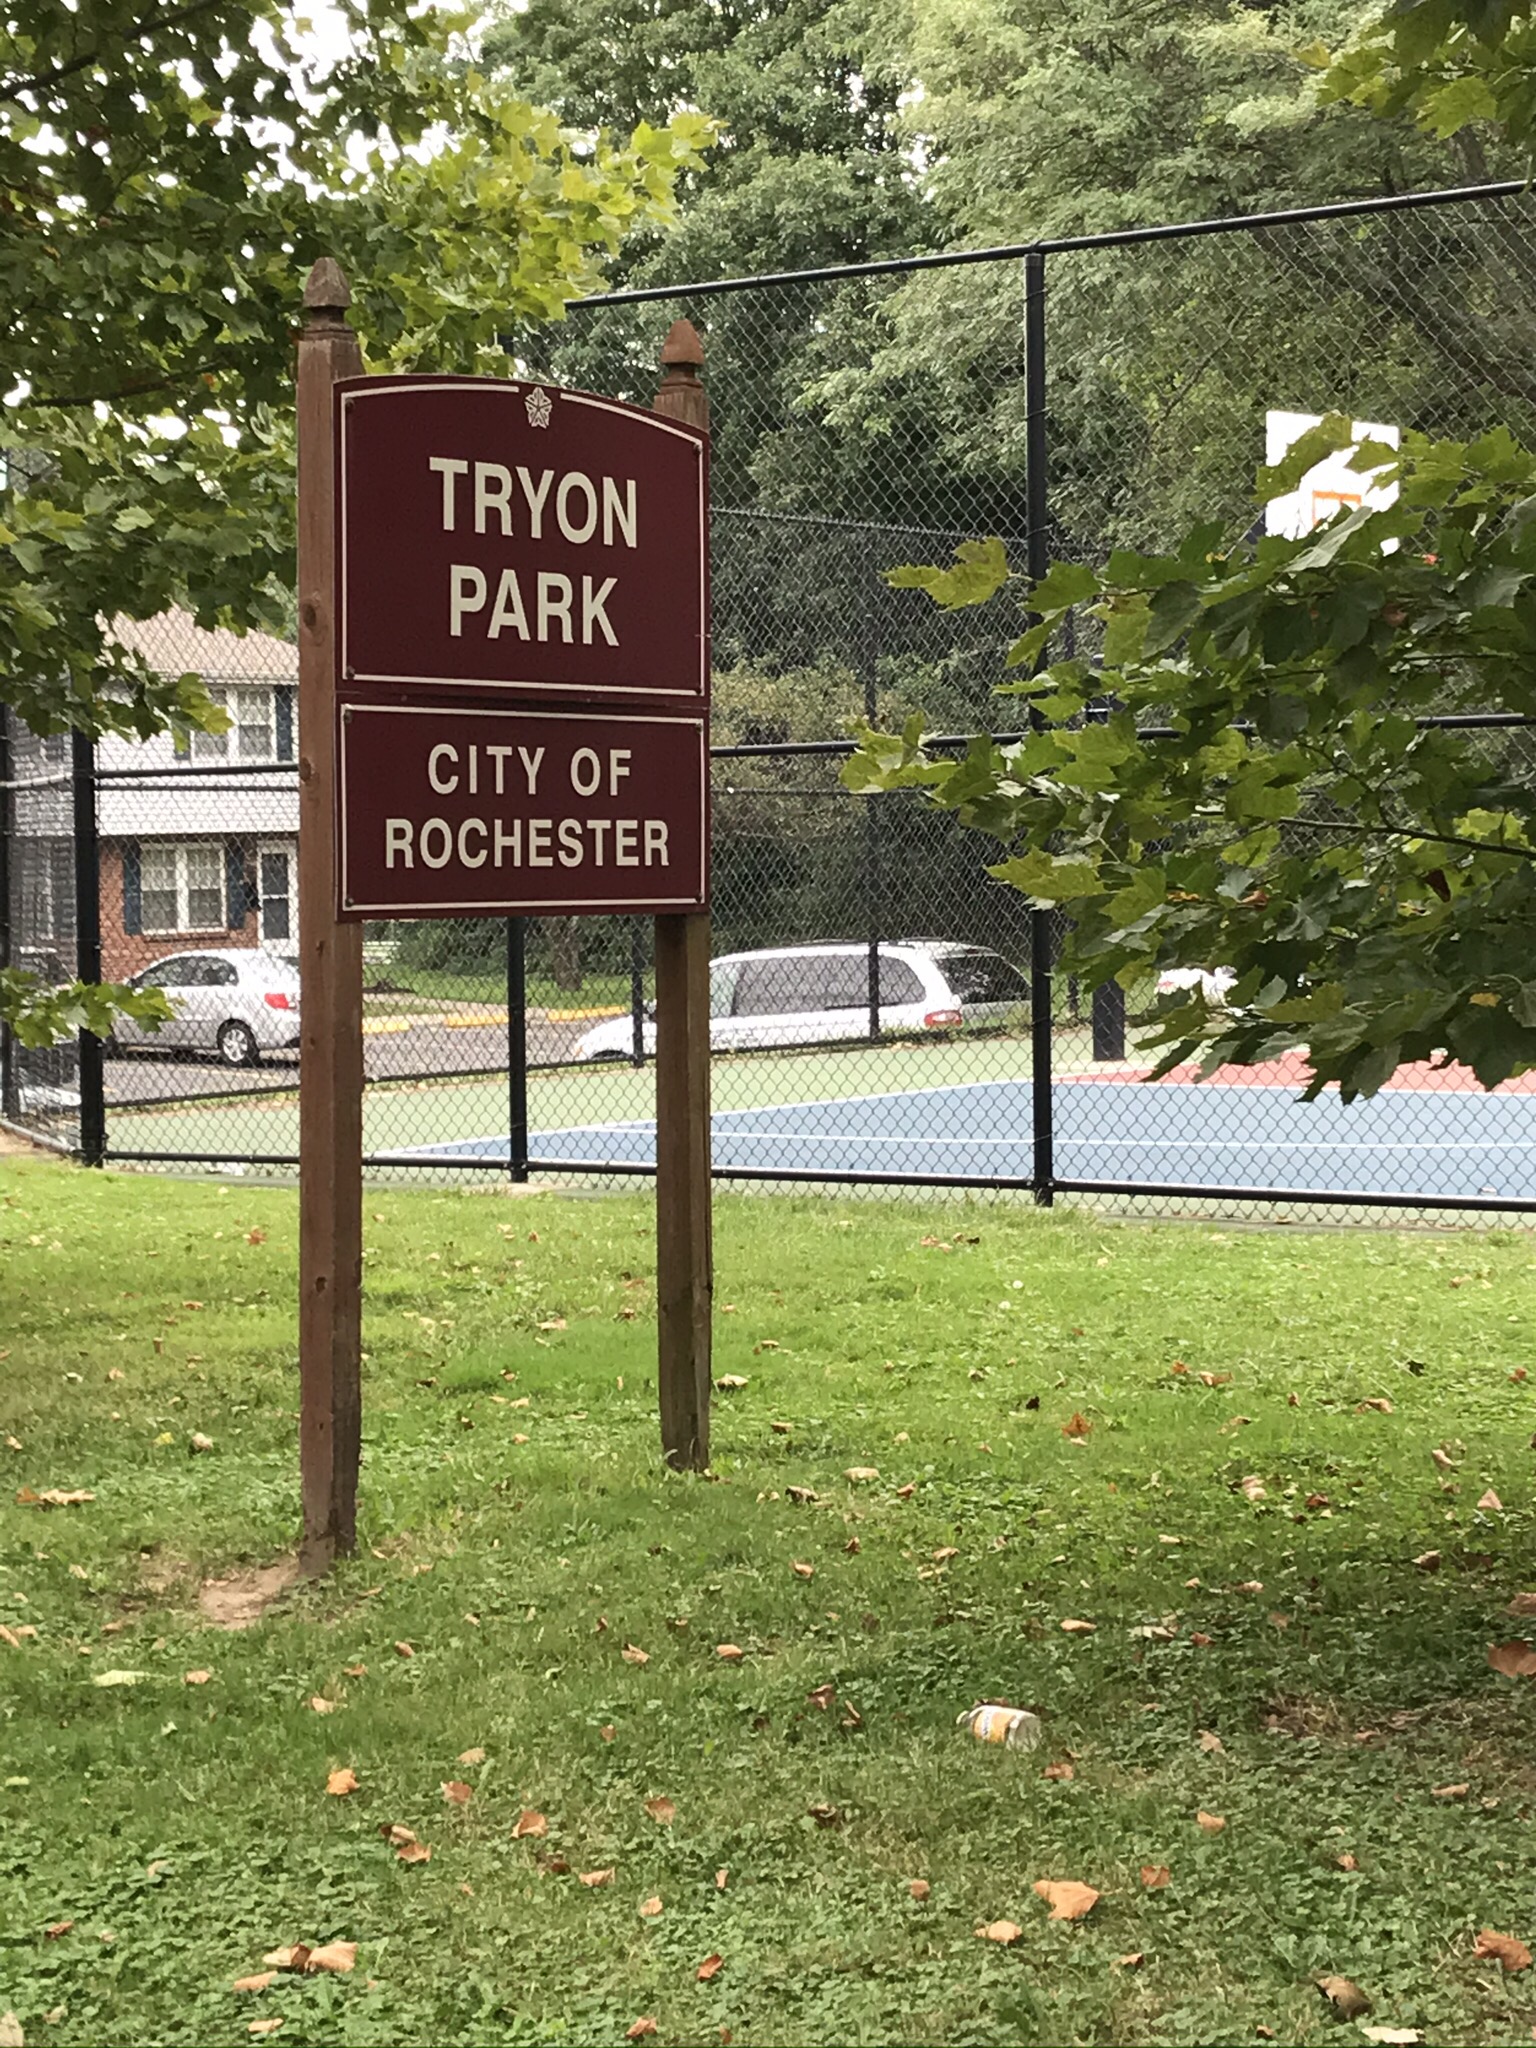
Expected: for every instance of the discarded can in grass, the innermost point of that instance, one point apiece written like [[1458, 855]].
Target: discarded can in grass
[[990, 1722]]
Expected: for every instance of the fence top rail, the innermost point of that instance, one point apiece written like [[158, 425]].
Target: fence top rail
[[1114, 238]]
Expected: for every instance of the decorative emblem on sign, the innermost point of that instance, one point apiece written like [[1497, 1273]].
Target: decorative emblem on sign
[[540, 410]]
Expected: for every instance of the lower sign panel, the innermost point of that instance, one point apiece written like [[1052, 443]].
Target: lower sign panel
[[461, 813]]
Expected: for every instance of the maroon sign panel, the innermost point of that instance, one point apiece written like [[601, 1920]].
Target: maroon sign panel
[[449, 812], [521, 538]]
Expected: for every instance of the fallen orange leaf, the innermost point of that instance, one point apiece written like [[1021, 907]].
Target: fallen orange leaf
[[1449, 1791], [404, 1650], [57, 1929], [1063, 1772], [1213, 1823], [342, 1782], [1068, 1900], [1513, 1660], [593, 1878], [1079, 1628], [1155, 1875], [1004, 1931], [1491, 1500], [632, 1654], [1511, 1953], [529, 1822], [709, 1968], [1347, 1860], [259, 1982], [650, 1909], [318, 1703], [641, 2030], [1079, 1426], [731, 1652], [823, 1697], [661, 1810], [802, 1570], [1133, 1961], [722, 1878], [457, 1793], [470, 1756], [396, 1833], [413, 1852], [336, 1956], [919, 1889], [196, 1677], [264, 2026]]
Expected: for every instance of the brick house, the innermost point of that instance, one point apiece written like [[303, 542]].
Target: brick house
[[202, 859]]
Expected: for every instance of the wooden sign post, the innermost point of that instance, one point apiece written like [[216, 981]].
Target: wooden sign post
[[684, 1191], [331, 970], [503, 711]]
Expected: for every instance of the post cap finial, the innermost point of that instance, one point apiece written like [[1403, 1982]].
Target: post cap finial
[[326, 289], [682, 345]]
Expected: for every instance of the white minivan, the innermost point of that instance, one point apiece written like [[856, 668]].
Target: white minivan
[[800, 995]]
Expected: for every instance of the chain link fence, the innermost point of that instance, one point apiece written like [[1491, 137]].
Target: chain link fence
[[885, 1013]]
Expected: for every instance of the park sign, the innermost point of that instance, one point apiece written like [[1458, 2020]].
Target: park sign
[[519, 539], [478, 811]]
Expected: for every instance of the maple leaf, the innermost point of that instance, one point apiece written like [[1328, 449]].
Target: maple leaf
[[457, 1793], [470, 1756], [529, 1823], [413, 1852], [1513, 1660], [1078, 1427], [650, 1909], [342, 1783], [1068, 1900], [1155, 1875], [919, 1889], [709, 1969]]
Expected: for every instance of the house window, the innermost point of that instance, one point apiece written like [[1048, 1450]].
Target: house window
[[260, 725], [182, 886]]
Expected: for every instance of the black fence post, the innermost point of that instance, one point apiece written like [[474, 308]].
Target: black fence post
[[93, 1099], [637, 991], [870, 652], [1037, 561], [9, 1104], [517, 1050], [1109, 1021]]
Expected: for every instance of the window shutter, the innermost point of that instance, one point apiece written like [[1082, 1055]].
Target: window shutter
[[236, 895], [133, 894], [283, 700]]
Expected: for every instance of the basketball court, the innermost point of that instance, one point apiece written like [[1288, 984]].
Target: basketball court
[[1433, 1132]]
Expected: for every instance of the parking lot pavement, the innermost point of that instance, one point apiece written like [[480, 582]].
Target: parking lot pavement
[[425, 1046]]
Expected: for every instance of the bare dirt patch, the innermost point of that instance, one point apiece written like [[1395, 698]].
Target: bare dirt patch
[[241, 1599]]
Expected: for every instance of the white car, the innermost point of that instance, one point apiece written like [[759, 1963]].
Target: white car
[[1212, 983], [237, 1001], [799, 995]]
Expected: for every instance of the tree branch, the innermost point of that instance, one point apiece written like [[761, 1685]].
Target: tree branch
[[12, 89]]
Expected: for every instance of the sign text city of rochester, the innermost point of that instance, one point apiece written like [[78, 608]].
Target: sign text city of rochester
[[522, 652]]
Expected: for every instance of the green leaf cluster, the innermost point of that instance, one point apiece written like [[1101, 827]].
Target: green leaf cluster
[[1253, 777]]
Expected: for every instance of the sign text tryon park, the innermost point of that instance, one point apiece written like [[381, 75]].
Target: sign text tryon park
[[519, 539]]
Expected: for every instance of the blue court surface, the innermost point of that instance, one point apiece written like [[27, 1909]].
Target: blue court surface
[[1405, 1141]]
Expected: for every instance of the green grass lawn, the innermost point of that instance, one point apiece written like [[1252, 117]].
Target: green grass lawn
[[1264, 1648], [400, 1115], [469, 985]]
